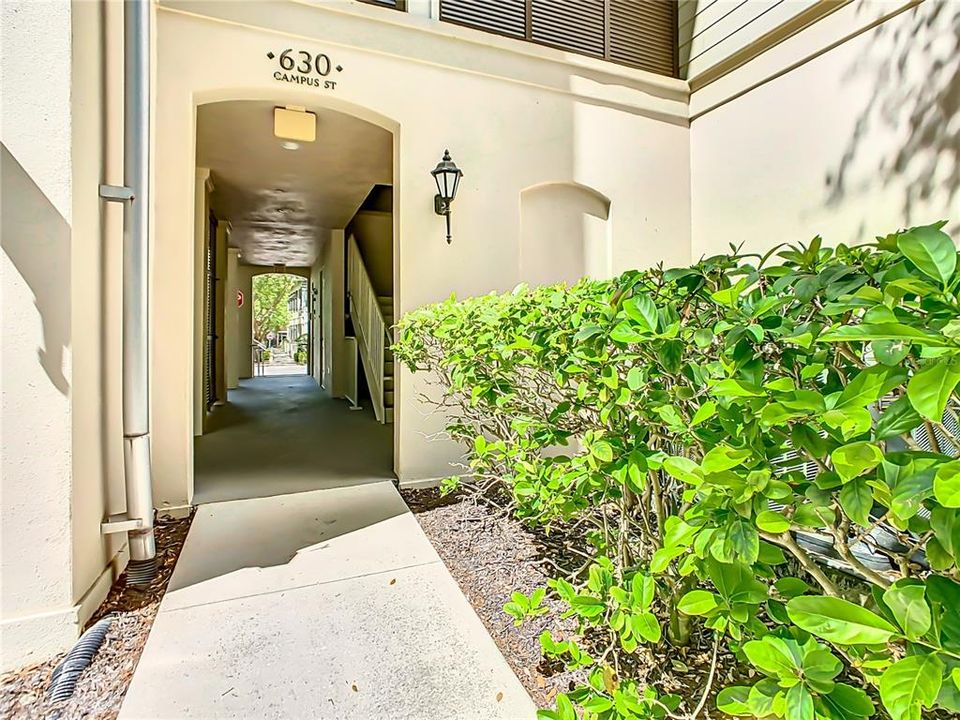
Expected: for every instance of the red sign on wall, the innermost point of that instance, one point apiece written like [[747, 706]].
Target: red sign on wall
[[239, 298]]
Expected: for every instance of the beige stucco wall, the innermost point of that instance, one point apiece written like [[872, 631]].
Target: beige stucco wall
[[331, 269], [857, 141], [60, 461], [243, 349], [565, 234], [557, 118]]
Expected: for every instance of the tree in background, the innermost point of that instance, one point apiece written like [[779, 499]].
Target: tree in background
[[270, 294]]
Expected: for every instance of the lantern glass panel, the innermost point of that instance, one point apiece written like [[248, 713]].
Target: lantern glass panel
[[446, 183]]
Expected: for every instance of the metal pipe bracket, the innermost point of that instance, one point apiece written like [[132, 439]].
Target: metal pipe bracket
[[116, 193]]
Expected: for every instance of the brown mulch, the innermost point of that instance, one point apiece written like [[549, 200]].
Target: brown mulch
[[102, 686], [491, 554]]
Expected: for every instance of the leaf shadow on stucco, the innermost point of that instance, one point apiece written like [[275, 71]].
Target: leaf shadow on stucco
[[922, 108], [36, 239]]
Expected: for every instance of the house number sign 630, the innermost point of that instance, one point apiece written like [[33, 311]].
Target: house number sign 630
[[304, 68]]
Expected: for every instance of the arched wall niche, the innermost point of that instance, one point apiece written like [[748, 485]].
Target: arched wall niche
[[565, 234]]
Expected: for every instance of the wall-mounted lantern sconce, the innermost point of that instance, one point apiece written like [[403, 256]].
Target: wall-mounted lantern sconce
[[447, 175]]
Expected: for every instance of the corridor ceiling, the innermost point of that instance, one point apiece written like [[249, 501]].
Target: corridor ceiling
[[280, 202]]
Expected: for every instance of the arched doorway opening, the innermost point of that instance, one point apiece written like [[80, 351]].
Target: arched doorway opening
[[291, 198], [281, 324]]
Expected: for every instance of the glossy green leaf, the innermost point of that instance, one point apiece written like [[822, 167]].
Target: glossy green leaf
[[890, 352], [946, 484], [865, 388], [763, 697], [772, 522], [931, 250], [733, 700], [773, 656], [625, 332], [898, 418], [645, 625], [698, 602], [856, 499], [735, 389], [839, 620], [683, 469], [565, 709], [930, 389], [799, 704], [723, 458], [909, 606], [846, 702], [855, 459], [642, 310], [704, 413], [911, 685]]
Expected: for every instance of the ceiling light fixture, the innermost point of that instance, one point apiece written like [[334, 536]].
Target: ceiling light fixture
[[290, 145], [294, 123]]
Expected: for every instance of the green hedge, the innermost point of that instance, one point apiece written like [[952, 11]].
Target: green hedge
[[694, 431]]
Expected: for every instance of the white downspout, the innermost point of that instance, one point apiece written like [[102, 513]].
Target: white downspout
[[136, 286], [138, 520]]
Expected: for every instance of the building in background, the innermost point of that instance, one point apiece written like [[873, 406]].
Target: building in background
[[298, 328], [593, 136]]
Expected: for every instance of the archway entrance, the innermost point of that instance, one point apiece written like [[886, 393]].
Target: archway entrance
[[298, 240], [281, 324]]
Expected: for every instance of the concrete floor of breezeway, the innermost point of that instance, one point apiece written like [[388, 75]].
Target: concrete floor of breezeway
[[283, 434], [327, 603]]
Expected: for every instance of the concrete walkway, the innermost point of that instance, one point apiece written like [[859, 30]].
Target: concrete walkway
[[324, 604]]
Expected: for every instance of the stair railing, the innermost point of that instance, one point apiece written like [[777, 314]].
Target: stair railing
[[368, 324]]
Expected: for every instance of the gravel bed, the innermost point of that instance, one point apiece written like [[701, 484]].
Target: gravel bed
[[103, 684]]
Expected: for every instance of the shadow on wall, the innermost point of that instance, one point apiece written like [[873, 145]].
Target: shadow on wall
[[36, 238], [916, 69], [564, 234]]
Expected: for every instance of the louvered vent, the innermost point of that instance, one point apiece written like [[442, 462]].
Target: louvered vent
[[642, 33], [569, 25], [946, 438], [791, 461], [507, 17]]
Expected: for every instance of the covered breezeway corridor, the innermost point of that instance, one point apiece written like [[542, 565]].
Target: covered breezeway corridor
[[284, 434]]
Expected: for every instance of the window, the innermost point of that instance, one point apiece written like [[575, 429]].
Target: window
[[400, 5], [639, 33]]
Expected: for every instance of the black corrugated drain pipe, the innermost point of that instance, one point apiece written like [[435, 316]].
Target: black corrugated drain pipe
[[64, 679]]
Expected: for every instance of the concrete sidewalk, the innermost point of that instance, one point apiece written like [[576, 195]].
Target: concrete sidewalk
[[325, 604]]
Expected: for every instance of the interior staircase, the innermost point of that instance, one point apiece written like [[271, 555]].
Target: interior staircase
[[372, 317], [386, 309]]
